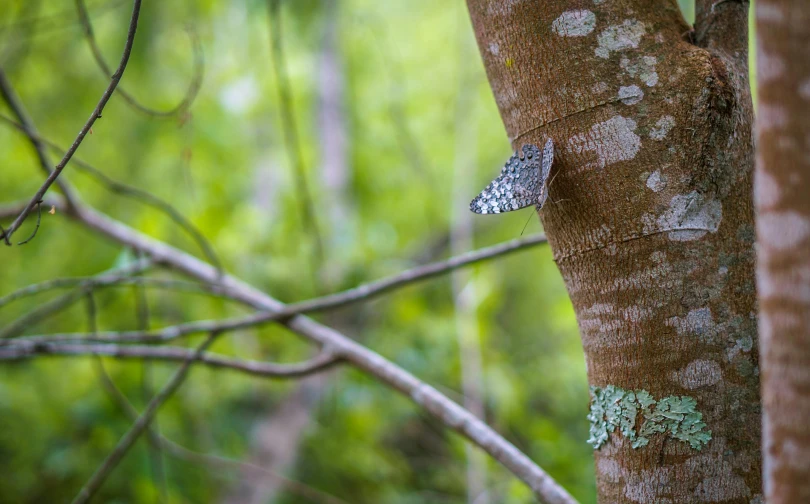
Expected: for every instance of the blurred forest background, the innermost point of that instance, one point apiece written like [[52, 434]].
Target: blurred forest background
[[397, 130]]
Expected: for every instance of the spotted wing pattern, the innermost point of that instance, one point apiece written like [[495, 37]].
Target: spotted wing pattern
[[522, 182], [545, 171]]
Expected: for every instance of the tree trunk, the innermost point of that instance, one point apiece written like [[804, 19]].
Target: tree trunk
[[651, 223], [783, 230]]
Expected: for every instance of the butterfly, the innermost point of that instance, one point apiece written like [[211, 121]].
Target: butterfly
[[523, 181]]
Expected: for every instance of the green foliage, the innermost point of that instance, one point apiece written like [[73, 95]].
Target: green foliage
[[615, 408]]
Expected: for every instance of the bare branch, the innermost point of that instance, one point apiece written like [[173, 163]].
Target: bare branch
[[24, 349], [30, 25], [450, 413], [128, 191], [105, 97], [291, 130], [60, 303], [36, 227], [417, 274], [332, 301], [156, 458], [162, 283], [357, 294], [188, 455], [156, 336], [26, 126], [193, 87], [126, 442], [447, 411], [9, 210], [4, 236]]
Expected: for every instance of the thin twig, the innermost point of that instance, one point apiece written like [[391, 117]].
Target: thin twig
[[290, 128], [116, 78], [156, 459], [361, 293], [15, 38], [126, 442], [416, 274], [36, 228], [128, 191], [4, 236], [151, 200], [23, 349], [121, 281], [54, 21], [183, 453], [58, 304], [194, 85], [26, 126]]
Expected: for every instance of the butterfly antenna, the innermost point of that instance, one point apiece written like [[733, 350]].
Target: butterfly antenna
[[552, 179], [527, 223]]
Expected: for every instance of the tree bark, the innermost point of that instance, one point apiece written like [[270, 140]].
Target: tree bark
[[782, 198], [651, 222]]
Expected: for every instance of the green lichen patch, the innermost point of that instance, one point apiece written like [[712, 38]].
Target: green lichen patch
[[613, 408]]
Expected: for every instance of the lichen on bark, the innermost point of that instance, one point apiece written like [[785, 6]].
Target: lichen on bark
[[613, 408]]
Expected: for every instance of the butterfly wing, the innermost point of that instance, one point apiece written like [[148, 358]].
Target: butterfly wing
[[519, 185], [545, 170]]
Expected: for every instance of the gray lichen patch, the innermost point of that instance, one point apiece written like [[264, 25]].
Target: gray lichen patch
[[620, 37], [615, 409], [613, 141], [662, 127], [698, 323], [630, 95], [642, 67], [657, 181], [574, 23], [689, 217], [698, 373]]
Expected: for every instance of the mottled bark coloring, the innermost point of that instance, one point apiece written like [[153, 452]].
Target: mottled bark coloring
[[649, 216], [782, 196]]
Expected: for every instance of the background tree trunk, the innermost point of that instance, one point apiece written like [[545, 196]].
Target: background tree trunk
[[783, 230], [650, 219]]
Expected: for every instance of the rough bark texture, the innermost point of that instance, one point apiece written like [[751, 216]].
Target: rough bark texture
[[649, 216], [783, 230]]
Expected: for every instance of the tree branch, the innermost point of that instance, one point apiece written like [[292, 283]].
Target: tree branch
[[188, 455], [26, 126], [193, 87], [163, 283], [126, 442], [23, 349], [427, 397], [723, 25], [156, 458], [58, 304], [351, 296], [128, 191], [416, 274], [450, 413], [105, 97], [291, 130]]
